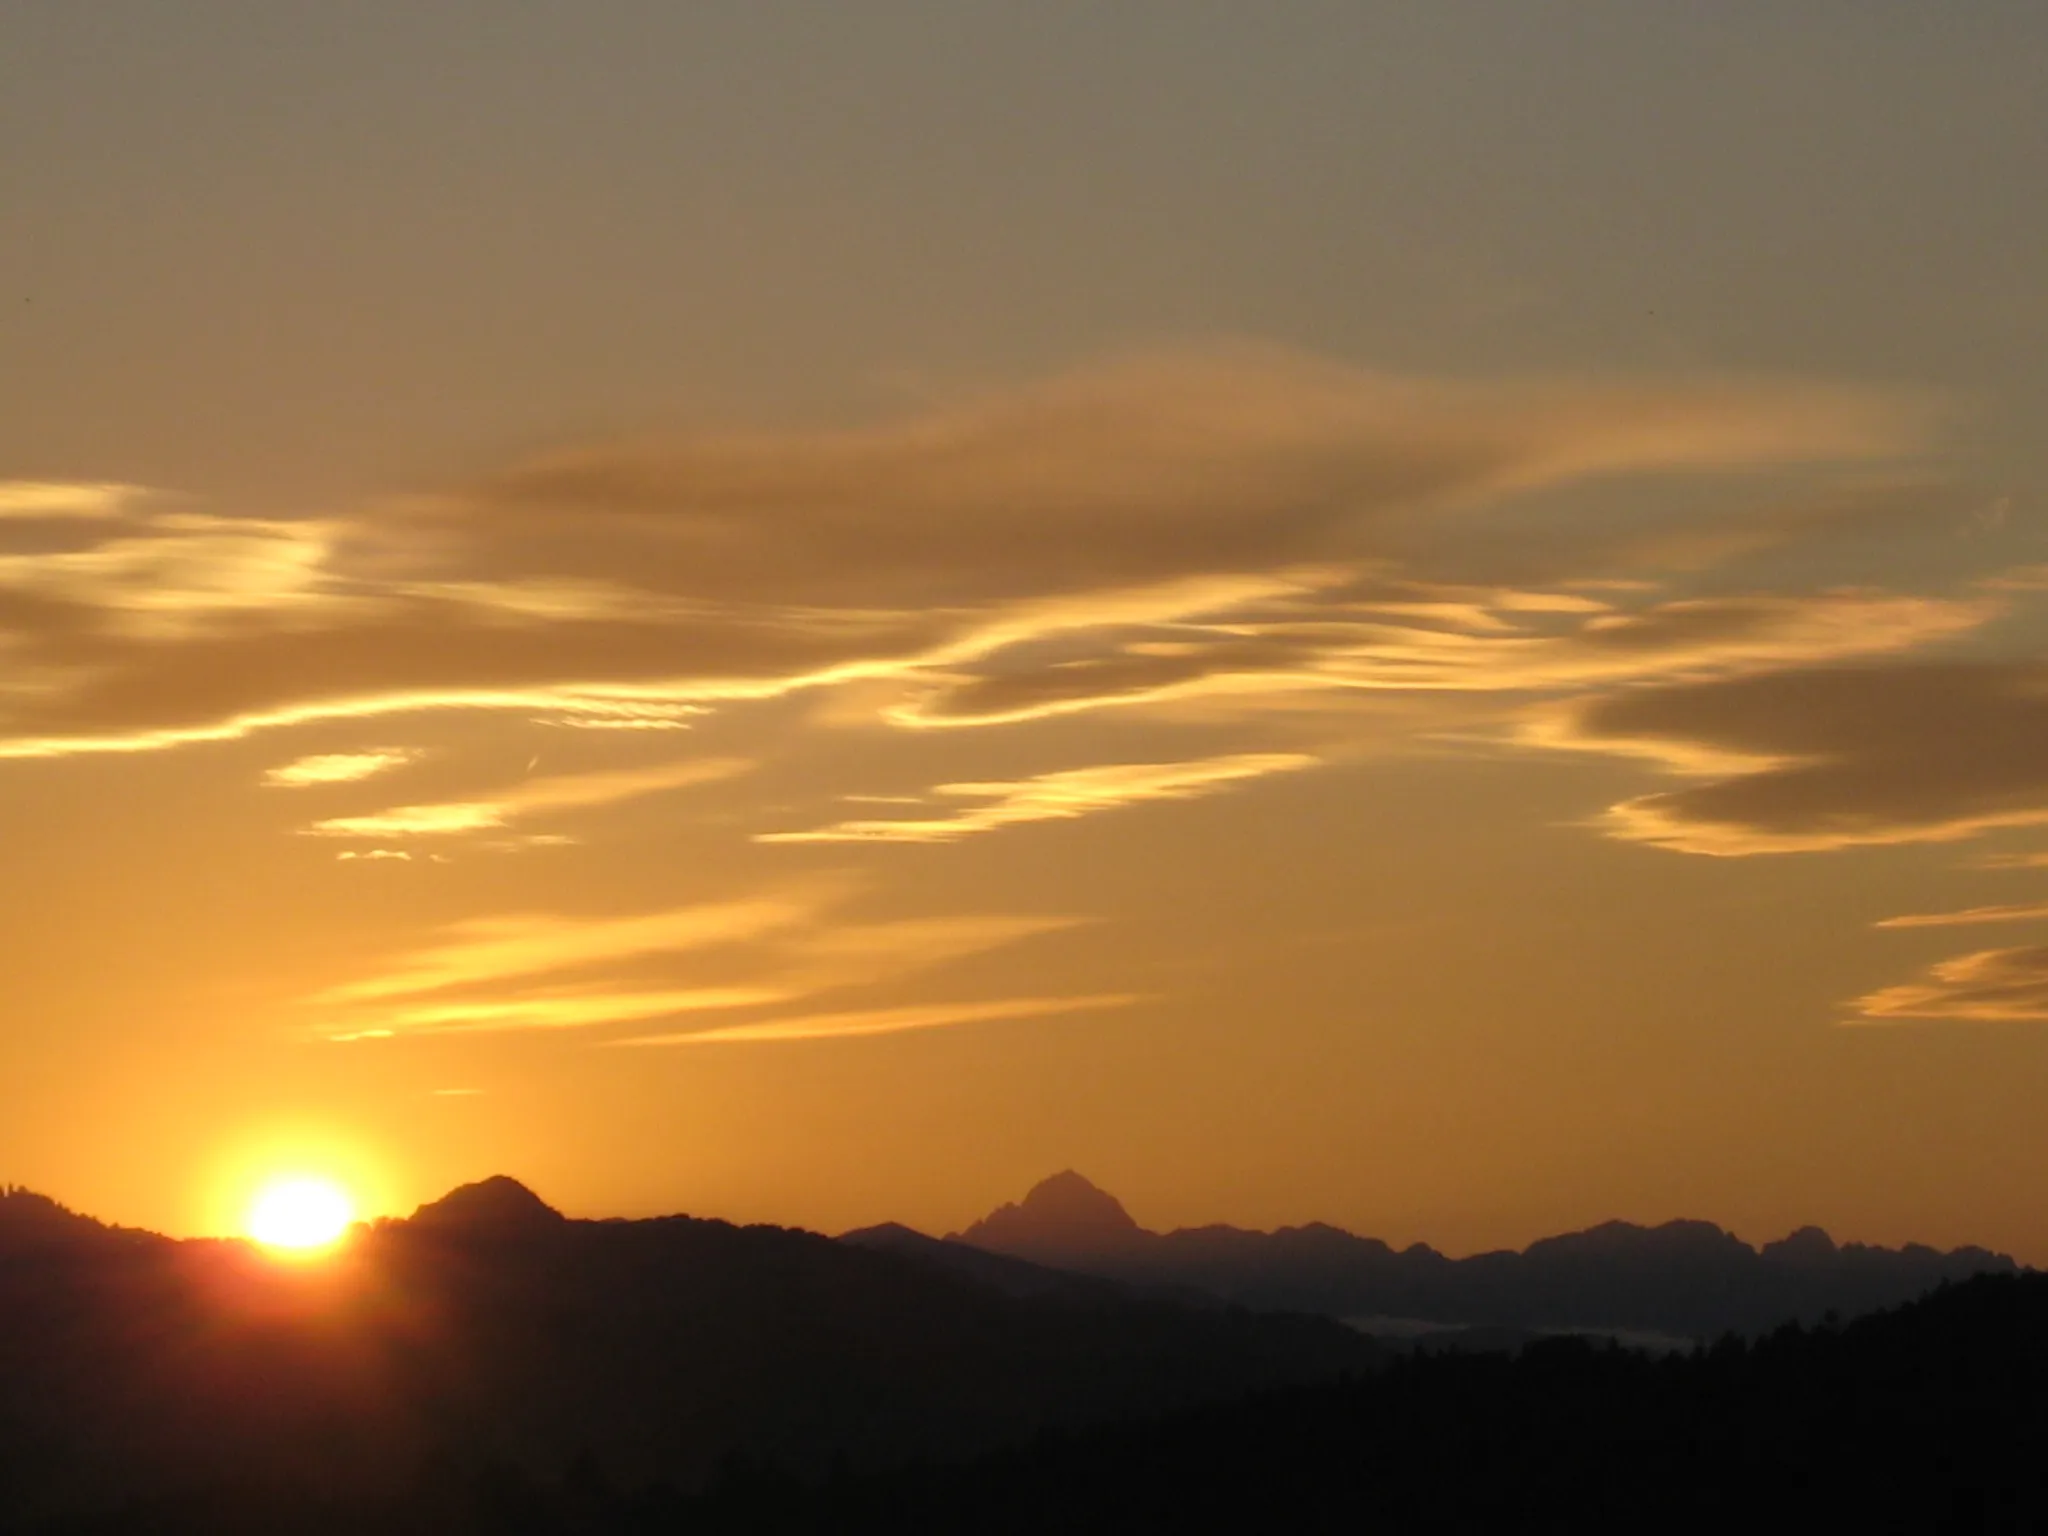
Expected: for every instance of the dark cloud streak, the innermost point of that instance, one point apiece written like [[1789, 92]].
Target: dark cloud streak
[[1818, 758]]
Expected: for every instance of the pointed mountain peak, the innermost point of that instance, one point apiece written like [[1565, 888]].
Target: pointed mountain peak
[[1068, 1198], [1064, 1214], [496, 1204]]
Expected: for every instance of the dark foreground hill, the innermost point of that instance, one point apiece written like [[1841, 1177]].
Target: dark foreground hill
[[1930, 1418], [1686, 1278], [488, 1332]]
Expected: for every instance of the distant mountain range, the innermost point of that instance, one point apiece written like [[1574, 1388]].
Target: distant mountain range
[[1684, 1278], [488, 1334]]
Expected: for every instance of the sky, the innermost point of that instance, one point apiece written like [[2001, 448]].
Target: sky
[[1426, 616]]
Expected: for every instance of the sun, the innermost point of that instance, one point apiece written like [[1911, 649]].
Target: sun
[[299, 1214]]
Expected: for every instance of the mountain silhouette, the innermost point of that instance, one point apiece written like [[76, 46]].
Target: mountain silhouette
[[1682, 1278], [30, 1222], [489, 1364], [497, 1204], [1062, 1217], [489, 1331]]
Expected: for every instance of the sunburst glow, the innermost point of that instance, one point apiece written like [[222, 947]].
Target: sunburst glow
[[300, 1214]]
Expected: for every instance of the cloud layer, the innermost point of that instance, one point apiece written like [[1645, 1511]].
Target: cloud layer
[[1252, 491], [1217, 536]]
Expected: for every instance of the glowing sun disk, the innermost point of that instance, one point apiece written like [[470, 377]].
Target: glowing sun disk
[[299, 1213]]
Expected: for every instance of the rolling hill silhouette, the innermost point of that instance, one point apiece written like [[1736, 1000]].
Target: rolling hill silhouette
[[30, 1222], [1687, 1278], [489, 1331]]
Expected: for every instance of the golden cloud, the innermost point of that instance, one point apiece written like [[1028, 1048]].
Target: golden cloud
[[186, 575], [558, 1010], [1056, 796], [1445, 641], [887, 1021], [1991, 986], [1969, 917], [32, 500], [560, 792], [337, 767]]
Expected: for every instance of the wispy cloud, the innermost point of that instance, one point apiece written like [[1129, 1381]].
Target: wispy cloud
[[1057, 796], [1990, 986], [532, 797], [489, 950], [852, 954], [212, 582], [887, 1021], [2023, 912], [337, 767], [36, 499], [1434, 640], [554, 972], [557, 1010]]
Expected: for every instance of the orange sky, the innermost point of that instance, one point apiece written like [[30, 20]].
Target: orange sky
[[1420, 617]]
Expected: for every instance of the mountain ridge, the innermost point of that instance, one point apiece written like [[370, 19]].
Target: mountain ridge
[[1685, 1277], [489, 1330]]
